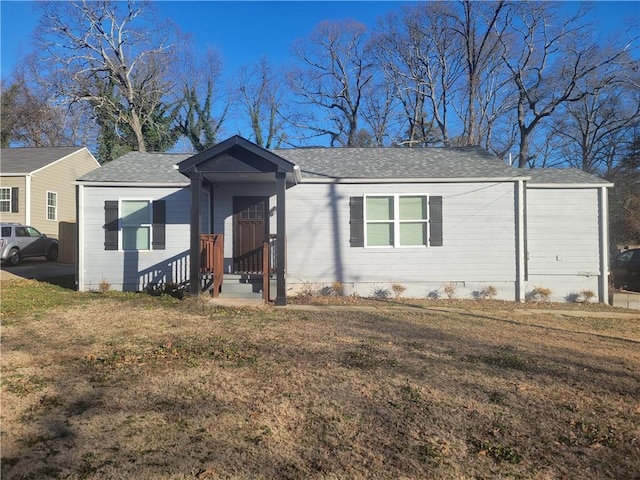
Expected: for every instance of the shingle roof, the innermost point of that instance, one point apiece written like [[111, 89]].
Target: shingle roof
[[381, 163], [137, 167], [562, 176], [26, 160], [354, 163]]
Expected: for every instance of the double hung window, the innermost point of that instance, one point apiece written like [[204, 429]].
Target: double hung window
[[136, 222], [5, 199], [396, 220], [52, 206]]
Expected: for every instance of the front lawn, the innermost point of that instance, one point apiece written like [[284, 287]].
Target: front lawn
[[106, 386]]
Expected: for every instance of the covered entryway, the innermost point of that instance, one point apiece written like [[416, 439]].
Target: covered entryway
[[238, 164]]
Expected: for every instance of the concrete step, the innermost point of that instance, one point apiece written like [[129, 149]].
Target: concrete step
[[241, 286], [246, 295]]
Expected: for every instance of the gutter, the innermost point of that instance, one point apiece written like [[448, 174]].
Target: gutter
[[130, 184], [415, 180], [569, 185]]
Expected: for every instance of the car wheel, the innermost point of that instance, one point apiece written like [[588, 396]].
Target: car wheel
[[52, 254], [14, 258]]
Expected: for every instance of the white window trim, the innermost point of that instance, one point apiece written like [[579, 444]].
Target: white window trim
[[121, 224], [6, 200], [55, 207], [396, 219]]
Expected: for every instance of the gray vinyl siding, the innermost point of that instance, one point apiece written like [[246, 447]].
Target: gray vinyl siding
[[563, 240], [478, 230], [563, 231], [137, 270]]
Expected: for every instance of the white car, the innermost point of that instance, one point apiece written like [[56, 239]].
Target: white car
[[21, 241]]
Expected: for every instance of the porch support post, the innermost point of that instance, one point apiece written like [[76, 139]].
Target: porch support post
[[194, 254], [281, 290]]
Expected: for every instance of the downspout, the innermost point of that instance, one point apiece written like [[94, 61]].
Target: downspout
[[27, 199], [80, 237], [604, 246], [520, 243]]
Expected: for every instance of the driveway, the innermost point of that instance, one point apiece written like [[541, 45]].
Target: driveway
[[37, 268]]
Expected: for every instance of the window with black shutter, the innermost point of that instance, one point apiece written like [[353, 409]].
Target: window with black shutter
[[396, 221], [141, 223]]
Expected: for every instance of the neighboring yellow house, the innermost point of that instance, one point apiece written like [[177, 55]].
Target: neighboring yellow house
[[37, 185]]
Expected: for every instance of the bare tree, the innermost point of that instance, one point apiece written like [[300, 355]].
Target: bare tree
[[31, 118], [480, 28], [111, 56], [548, 62], [593, 125], [262, 100], [420, 53], [379, 112], [338, 70]]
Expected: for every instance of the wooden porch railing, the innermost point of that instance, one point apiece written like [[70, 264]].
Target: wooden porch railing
[[212, 258], [269, 264]]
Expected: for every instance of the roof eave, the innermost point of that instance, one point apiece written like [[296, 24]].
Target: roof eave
[[413, 180], [111, 183], [569, 185]]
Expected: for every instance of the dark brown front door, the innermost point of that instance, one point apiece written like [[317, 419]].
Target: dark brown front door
[[250, 228]]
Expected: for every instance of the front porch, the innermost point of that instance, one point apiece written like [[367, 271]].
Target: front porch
[[245, 186], [212, 269]]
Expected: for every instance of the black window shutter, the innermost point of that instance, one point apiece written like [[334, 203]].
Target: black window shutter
[[435, 221], [111, 225], [159, 221], [356, 222], [14, 199]]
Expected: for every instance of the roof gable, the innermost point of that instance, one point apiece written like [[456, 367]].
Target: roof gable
[[235, 155]]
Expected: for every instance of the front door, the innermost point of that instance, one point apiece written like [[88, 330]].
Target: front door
[[250, 228]]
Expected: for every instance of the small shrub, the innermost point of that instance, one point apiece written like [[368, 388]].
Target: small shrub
[[398, 290], [104, 286], [338, 288], [539, 294], [450, 290], [486, 293], [587, 295]]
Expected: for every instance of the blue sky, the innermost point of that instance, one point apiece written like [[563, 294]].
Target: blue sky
[[244, 31]]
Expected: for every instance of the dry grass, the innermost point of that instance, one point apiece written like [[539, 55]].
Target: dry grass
[[123, 387]]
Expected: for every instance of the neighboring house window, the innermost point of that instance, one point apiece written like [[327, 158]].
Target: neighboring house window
[[52, 206], [141, 223], [9, 199], [136, 220], [5, 199], [396, 221]]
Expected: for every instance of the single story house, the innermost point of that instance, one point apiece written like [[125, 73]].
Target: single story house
[[358, 220], [37, 185]]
